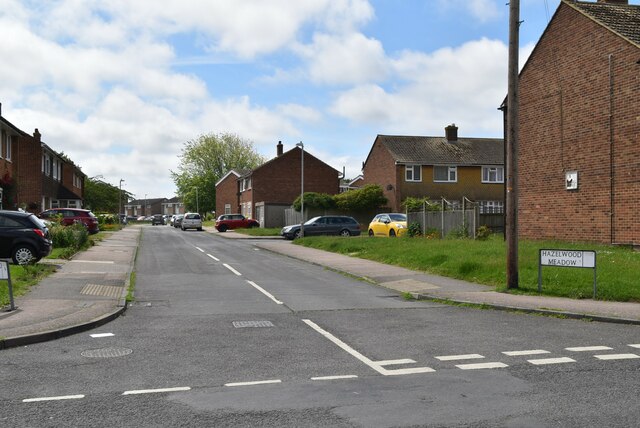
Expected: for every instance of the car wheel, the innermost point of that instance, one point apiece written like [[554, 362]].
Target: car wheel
[[370, 232], [199, 229], [345, 233], [297, 234], [24, 255], [183, 229], [392, 233], [222, 228]]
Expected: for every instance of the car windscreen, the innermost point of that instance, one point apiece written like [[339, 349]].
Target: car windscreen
[[398, 217], [311, 221]]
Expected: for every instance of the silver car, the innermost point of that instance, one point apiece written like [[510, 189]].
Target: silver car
[[191, 221]]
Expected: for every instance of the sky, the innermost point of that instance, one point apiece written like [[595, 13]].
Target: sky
[[120, 86]]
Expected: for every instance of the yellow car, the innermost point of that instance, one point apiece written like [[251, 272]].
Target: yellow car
[[388, 224]]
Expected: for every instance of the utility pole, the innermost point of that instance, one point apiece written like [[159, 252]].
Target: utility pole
[[511, 215]]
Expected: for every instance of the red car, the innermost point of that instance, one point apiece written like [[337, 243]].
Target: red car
[[234, 221], [69, 216]]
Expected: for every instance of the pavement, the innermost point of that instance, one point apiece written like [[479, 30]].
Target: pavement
[[90, 289]]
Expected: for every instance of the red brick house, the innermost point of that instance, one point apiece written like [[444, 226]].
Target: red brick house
[[579, 147], [34, 176], [451, 167], [266, 191]]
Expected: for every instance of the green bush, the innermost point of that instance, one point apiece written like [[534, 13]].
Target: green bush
[[107, 219], [414, 229], [483, 233], [73, 237]]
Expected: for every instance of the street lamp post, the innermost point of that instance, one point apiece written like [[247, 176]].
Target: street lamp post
[[301, 186], [120, 202], [197, 202]]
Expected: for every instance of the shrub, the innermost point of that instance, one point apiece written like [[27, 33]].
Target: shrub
[[414, 229], [458, 233], [483, 233], [73, 237]]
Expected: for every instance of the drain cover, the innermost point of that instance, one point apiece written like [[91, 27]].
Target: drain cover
[[106, 352], [243, 324]]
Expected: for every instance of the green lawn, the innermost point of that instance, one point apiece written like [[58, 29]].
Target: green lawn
[[618, 268], [23, 277], [260, 231]]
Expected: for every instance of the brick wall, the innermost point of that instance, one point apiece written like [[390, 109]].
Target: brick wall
[[380, 169], [564, 126], [28, 170], [227, 193]]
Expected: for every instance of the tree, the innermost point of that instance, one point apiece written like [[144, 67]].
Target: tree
[[204, 161], [366, 198], [100, 196], [315, 200]]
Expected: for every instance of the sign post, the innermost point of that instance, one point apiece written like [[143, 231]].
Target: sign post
[[5, 273], [567, 258]]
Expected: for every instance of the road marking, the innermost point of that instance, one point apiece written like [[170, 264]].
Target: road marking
[[258, 382], [155, 391], [617, 356], [589, 348], [459, 357], [334, 377], [481, 366], [394, 362], [232, 269], [372, 364], [544, 361], [265, 292], [529, 352], [199, 249], [62, 397], [635, 346], [97, 335], [214, 258]]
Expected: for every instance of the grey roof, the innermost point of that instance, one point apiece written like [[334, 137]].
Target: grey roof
[[438, 151], [623, 20]]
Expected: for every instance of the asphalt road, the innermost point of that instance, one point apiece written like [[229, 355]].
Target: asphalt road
[[224, 334]]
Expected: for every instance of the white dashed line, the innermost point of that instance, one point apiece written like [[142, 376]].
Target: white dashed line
[[589, 348], [62, 397], [372, 364], [459, 357], [265, 292], [258, 382], [481, 366], [529, 352], [617, 356], [334, 377], [213, 257], [544, 361], [156, 391], [199, 249], [98, 335], [395, 362], [635, 345], [232, 269]]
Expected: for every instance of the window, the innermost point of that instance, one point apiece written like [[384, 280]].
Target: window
[[46, 165], [445, 174], [413, 173], [491, 207], [77, 181], [492, 174], [227, 208], [55, 169], [8, 147]]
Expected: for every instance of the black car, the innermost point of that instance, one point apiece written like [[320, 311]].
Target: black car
[[324, 225], [23, 237], [157, 219]]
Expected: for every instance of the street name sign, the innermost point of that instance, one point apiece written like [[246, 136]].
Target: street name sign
[[567, 258]]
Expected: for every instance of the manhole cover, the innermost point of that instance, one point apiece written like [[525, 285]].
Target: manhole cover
[[243, 324], [106, 352]]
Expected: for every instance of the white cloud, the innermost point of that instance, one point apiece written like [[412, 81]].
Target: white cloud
[[482, 10]]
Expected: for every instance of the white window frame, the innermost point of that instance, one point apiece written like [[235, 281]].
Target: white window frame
[[452, 174], [498, 172], [8, 147], [55, 169], [491, 207], [227, 208], [410, 173]]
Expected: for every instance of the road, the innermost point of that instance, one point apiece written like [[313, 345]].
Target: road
[[225, 334]]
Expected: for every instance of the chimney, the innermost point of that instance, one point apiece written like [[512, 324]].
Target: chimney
[[279, 146], [36, 135], [451, 132], [623, 2]]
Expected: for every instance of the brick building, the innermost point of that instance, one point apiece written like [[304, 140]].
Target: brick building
[[450, 166], [264, 192], [33, 176], [579, 153]]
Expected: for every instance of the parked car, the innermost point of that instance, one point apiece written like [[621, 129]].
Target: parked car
[[23, 237], [388, 224], [177, 222], [157, 219], [191, 221], [324, 225], [234, 221], [69, 216]]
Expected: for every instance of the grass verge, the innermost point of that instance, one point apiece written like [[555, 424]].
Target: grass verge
[[260, 231], [484, 262], [23, 277]]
